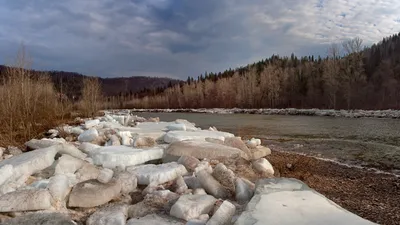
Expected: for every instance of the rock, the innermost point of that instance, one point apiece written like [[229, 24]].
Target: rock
[[128, 182], [260, 152], [40, 219], [1, 152], [156, 201], [290, 201], [199, 191], [67, 164], [192, 182], [224, 176], [136, 197], [6, 172], [223, 215], [59, 188], [123, 156], [91, 123], [263, 166], [93, 193], [144, 142], [25, 200], [244, 191], [192, 206], [87, 172], [178, 126], [203, 149], [31, 162], [44, 143], [189, 162], [198, 135], [140, 210], [236, 142], [88, 136], [161, 198], [215, 141], [157, 174], [204, 165], [105, 175], [180, 185], [109, 215], [211, 185], [154, 219], [88, 147]]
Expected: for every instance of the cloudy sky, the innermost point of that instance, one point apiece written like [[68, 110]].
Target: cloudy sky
[[180, 38]]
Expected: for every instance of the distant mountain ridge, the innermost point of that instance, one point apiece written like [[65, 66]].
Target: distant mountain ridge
[[71, 83]]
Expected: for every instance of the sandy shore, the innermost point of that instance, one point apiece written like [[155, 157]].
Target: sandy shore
[[373, 196]]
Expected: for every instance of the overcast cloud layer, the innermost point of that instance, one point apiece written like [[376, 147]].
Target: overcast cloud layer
[[180, 38]]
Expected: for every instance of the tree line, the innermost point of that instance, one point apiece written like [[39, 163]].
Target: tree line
[[349, 77]]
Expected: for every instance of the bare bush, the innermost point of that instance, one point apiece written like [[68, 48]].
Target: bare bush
[[27, 102], [91, 97]]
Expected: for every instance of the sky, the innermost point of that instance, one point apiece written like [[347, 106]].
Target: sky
[[181, 38]]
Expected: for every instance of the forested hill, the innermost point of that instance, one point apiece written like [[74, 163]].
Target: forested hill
[[71, 83], [350, 77]]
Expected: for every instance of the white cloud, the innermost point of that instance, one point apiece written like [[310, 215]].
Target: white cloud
[[184, 38]]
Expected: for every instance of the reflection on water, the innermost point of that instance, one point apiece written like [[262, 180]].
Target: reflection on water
[[370, 141]]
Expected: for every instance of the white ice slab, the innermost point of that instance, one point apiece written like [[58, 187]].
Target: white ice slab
[[6, 172], [157, 174], [203, 149], [192, 206], [31, 162], [91, 123], [44, 143], [123, 156], [199, 135], [178, 126], [223, 215], [88, 136], [25, 200], [288, 201], [115, 215]]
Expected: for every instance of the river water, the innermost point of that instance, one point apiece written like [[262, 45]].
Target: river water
[[370, 142]]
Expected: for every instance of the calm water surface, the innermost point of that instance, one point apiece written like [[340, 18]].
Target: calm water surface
[[368, 141]]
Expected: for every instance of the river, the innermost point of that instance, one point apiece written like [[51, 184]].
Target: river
[[369, 142]]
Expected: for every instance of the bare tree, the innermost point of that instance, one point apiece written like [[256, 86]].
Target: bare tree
[[353, 75], [334, 51], [331, 74], [353, 45]]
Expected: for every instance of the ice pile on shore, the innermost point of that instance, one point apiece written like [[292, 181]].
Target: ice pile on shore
[[122, 169], [395, 114]]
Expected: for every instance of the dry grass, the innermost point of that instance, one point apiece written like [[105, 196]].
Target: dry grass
[[27, 103], [91, 97]]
